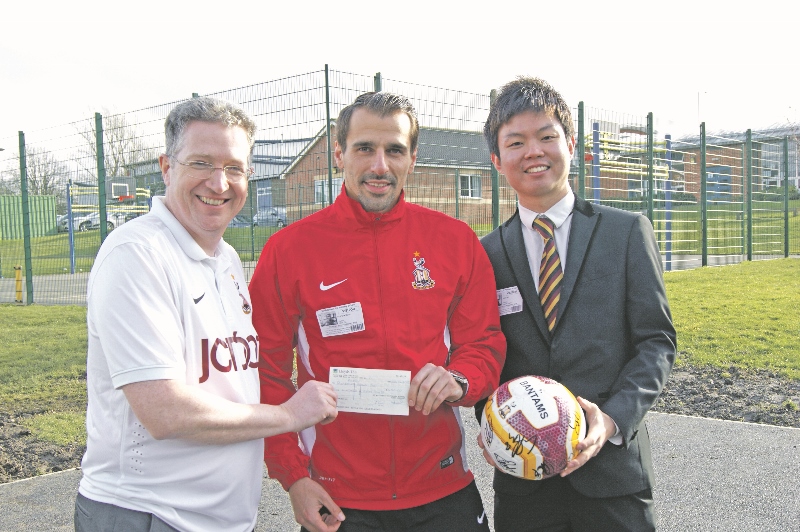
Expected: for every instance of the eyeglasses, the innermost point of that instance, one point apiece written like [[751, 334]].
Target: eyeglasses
[[203, 170]]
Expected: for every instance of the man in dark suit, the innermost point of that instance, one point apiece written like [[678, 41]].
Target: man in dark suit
[[602, 327]]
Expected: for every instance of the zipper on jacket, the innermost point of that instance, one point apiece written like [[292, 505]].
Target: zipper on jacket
[[392, 454], [380, 290]]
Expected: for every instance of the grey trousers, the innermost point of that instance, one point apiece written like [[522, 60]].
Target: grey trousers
[[93, 516]]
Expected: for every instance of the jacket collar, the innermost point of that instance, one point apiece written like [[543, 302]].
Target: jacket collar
[[352, 209]]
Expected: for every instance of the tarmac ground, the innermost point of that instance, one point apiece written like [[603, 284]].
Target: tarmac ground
[[711, 475]]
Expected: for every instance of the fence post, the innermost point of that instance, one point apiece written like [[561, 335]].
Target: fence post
[[17, 284], [457, 190], [495, 179], [668, 203], [101, 176], [300, 201], [650, 169], [377, 82], [26, 218], [703, 198], [581, 153], [70, 229], [749, 174], [596, 161], [328, 136], [250, 195], [786, 196]]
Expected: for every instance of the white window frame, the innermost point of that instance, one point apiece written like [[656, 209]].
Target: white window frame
[[473, 188], [321, 189]]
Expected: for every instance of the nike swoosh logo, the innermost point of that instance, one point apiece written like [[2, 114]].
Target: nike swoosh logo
[[197, 299], [482, 517], [323, 286]]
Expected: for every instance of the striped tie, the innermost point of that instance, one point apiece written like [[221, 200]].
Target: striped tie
[[550, 273]]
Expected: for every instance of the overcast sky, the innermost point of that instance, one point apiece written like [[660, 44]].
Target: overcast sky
[[685, 61]]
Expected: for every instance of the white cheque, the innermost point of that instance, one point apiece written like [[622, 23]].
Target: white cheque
[[371, 391]]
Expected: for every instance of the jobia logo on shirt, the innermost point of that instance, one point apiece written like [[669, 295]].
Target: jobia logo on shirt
[[226, 350]]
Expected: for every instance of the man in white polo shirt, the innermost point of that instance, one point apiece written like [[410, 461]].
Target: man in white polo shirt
[[174, 420]]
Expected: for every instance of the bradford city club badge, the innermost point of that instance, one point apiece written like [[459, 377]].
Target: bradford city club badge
[[246, 308], [422, 275]]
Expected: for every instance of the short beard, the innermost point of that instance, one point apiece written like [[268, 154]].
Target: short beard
[[380, 204]]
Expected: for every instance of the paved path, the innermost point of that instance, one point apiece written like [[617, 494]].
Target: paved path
[[711, 475], [67, 289]]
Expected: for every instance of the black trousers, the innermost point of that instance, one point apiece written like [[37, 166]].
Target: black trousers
[[460, 512], [558, 507]]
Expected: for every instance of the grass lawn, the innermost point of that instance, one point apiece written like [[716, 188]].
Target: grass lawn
[[727, 228], [726, 236], [747, 315], [44, 369]]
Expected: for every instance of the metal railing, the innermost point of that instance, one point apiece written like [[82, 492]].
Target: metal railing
[[712, 199]]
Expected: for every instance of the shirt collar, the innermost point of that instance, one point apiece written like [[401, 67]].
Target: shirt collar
[[558, 213], [182, 236]]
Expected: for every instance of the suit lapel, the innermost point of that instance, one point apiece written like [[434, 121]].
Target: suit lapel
[[584, 221], [514, 245]]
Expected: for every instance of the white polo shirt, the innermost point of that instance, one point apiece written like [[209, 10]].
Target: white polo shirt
[[160, 308]]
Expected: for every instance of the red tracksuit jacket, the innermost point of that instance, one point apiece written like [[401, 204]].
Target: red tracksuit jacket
[[427, 293]]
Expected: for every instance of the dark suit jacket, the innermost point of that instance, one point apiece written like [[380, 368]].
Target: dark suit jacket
[[613, 344]]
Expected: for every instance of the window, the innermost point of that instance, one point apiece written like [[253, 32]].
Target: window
[[470, 186], [264, 193], [321, 189]]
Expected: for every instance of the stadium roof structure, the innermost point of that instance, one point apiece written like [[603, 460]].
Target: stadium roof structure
[[738, 137]]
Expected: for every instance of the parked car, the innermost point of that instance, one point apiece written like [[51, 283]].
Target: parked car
[[85, 222], [271, 216], [239, 221], [80, 222], [62, 223]]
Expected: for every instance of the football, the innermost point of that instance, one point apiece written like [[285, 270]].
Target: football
[[531, 426]]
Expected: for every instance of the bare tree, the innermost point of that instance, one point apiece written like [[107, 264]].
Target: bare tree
[[9, 186], [47, 175], [123, 145]]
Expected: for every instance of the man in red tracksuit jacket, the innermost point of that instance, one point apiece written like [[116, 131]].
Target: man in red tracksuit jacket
[[374, 282]]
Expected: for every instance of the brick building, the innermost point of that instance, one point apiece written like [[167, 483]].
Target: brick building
[[452, 175]]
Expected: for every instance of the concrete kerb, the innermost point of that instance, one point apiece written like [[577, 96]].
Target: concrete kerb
[[710, 475]]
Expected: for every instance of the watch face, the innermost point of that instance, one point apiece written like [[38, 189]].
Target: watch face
[[462, 381]]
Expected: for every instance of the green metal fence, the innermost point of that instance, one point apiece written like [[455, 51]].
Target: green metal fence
[[712, 199]]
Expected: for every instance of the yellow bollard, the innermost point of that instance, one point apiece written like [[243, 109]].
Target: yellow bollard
[[18, 278]]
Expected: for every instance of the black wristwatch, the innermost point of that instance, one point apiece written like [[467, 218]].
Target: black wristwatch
[[462, 381]]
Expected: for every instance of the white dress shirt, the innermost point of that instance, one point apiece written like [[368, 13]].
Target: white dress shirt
[[561, 216]]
